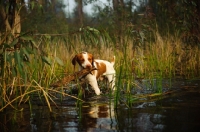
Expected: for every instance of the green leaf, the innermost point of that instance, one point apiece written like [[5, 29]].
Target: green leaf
[[33, 42], [93, 29], [26, 54], [46, 60], [9, 58], [47, 36], [14, 71], [14, 42], [29, 50], [26, 38], [17, 57], [145, 25], [193, 3], [7, 8], [185, 1], [6, 46], [32, 4], [25, 51], [59, 61], [19, 63]]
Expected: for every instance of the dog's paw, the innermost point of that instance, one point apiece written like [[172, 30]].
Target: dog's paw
[[97, 91]]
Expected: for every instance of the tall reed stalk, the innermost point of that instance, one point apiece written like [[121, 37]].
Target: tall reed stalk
[[46, 59]]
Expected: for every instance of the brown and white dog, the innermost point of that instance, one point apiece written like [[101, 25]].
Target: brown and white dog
[[104, 68]]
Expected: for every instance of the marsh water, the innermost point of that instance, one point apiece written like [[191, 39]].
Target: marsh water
[[178, 110]]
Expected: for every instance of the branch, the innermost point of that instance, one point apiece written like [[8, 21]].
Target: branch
[[72, 77]]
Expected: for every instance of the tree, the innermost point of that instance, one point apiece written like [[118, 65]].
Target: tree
[[119, 10], [45, 16], [179, 16], [78, 13], [14, 44], [10, 17]]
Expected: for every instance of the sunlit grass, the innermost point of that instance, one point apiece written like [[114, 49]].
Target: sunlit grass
[[159, 59]]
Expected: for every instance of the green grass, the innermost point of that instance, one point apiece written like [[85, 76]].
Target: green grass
[[45, 59]]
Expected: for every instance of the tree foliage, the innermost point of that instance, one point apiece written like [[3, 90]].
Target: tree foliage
[[121, 19], [181, 16], [45, 17], [20, 21], [28, 28]]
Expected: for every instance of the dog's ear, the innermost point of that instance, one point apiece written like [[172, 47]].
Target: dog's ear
[[74, 61], [91, 57]]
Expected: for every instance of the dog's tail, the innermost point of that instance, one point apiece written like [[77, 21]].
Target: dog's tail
[[113, 60]]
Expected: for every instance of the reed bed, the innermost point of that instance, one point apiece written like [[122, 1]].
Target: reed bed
[[48, 59]]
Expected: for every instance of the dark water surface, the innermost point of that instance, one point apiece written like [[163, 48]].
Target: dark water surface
[[178, 111]]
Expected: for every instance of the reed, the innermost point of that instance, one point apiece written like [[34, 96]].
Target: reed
[[39, 62]]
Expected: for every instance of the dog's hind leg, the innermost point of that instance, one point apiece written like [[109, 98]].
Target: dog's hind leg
[[111, 80]]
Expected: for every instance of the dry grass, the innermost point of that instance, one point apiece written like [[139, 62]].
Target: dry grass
[[164, 58]]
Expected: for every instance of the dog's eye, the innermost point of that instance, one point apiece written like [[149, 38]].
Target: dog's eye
[[89, 59], [82, 60]]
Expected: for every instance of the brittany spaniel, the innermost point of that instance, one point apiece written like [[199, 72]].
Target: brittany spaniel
[[104, 68]]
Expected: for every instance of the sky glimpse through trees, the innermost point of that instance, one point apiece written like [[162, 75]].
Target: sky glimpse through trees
[[114, 16]]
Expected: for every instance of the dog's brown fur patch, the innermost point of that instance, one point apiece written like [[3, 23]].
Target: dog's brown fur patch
[[101, 67]]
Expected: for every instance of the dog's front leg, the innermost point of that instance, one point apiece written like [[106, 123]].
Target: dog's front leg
[[93, 82]]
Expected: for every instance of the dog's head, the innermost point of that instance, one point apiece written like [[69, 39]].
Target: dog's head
[[84, 59]]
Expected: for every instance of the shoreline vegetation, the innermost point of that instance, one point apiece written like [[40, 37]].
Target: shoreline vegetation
[[30, 64], [156, 45]]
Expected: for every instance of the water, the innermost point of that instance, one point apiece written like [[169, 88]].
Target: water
[[176, 111]]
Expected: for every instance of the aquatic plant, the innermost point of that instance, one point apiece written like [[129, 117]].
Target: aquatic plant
[[30, 63]]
